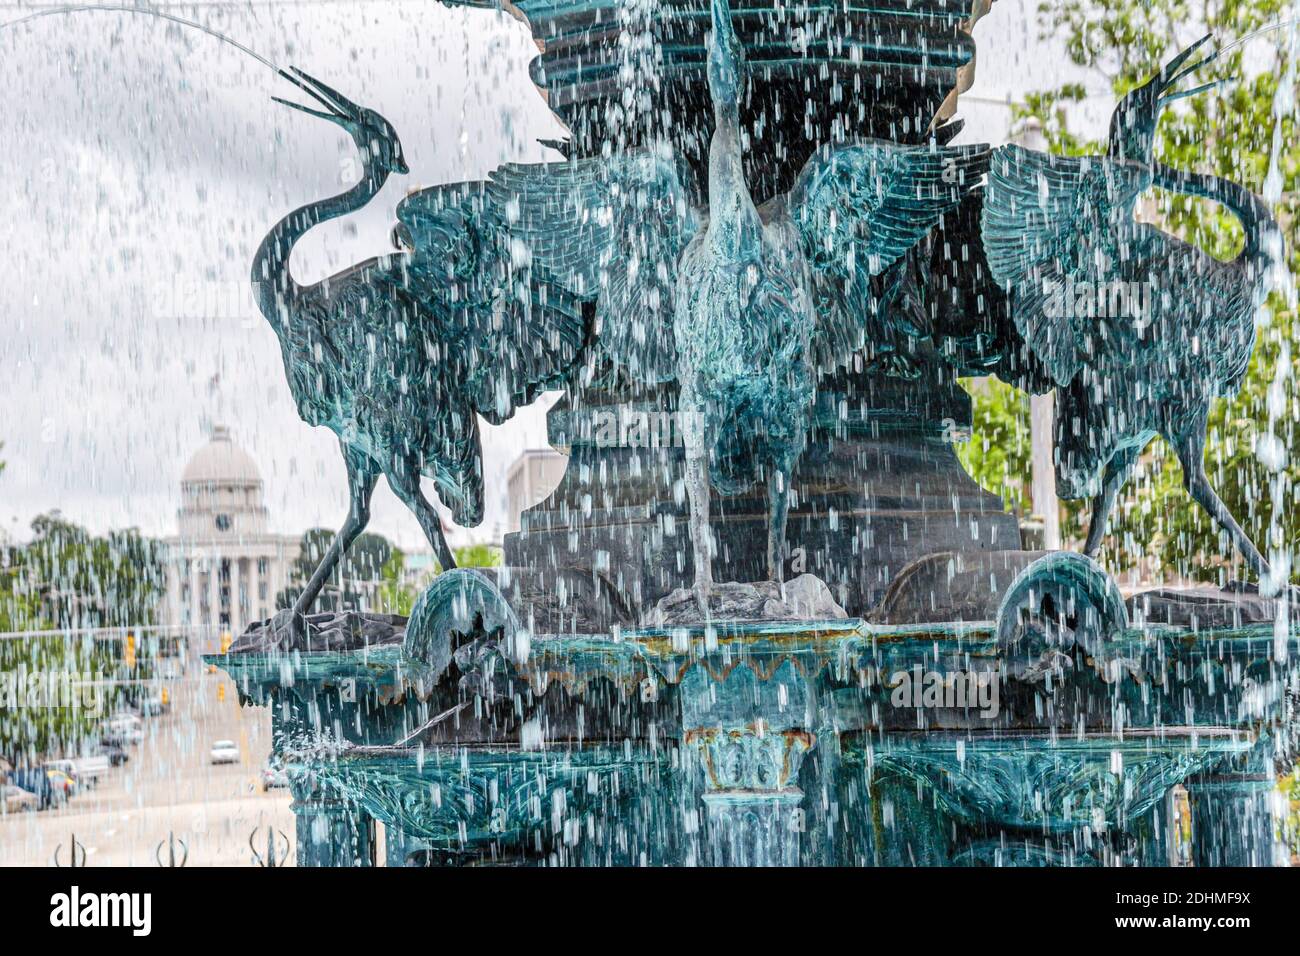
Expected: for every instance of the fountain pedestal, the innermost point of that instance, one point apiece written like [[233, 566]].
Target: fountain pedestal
[[331, 830], [878, 487], [787, 743]]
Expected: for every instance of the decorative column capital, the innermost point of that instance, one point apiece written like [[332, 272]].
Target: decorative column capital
[[751, 759]]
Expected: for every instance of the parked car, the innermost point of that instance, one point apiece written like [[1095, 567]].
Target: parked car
[[38, 784], [88, 768], [151, 704], [274, 776], [14, 799], [92, 764], [224, 751]]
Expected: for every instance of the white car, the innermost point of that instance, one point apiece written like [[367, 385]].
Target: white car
[[123, 729], [224, 751], [150, 705]]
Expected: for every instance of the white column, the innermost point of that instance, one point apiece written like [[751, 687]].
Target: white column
[[192, 605], [214, 597], [1043, 486], [247, 611], [236, 586], [279, 571], [255, 587]]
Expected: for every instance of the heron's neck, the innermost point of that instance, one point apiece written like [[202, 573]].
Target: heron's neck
[[273, 282], [1256, 219], [731, 208]]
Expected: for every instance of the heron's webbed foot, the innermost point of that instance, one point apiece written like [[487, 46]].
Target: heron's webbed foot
[[702, 599]]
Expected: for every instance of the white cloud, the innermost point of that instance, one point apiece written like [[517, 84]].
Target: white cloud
[[149, 158], [141, 157]]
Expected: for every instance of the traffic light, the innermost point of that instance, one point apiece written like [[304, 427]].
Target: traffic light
[[128, 654]]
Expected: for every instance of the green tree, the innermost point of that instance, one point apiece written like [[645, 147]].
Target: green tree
[[374, 575], [396, 595], [398, 591], [355, 579], [998, 454], [81, 580], [1228, 132], [65, 579], [478, 556]]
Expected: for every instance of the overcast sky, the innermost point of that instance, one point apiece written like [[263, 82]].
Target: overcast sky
[[143, 160]]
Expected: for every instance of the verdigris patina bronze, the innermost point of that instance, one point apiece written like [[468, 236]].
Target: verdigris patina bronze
[[1137, 330], [766, 618]]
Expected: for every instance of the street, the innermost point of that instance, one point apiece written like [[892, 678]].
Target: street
[[169, 788]]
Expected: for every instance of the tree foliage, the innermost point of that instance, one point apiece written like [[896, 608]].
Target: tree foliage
[[998, 453], [478, 556], [63, 580], [65, 577], [355, 579]]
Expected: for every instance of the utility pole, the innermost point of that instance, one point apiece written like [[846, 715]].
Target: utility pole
[[1042, 489]]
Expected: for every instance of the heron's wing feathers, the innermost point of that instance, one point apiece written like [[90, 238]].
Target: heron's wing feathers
[[1055, 227], [1213, 324], [503, 331], [608, 231], [859, 209]]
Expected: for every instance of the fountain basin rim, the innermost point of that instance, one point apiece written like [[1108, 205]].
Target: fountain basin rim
[[979, 632], [852, 651]]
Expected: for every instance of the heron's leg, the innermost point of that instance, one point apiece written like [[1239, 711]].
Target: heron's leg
[[1190, 449], [1117, 472], [405, 482], [778, 499], [697, 490], [361, 485]]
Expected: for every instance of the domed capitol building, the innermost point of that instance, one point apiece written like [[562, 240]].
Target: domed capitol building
[[224, 566]]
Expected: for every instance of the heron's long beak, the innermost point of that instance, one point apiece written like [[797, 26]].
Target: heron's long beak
[[338, 108], [1133, 124], [1171, 75]]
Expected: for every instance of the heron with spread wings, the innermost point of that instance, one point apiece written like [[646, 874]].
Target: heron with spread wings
[[398, 355], [741, 305], [1138, 330], [505, 288]]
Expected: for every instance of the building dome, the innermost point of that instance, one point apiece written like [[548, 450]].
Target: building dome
[[221, 462], [225, 566]]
